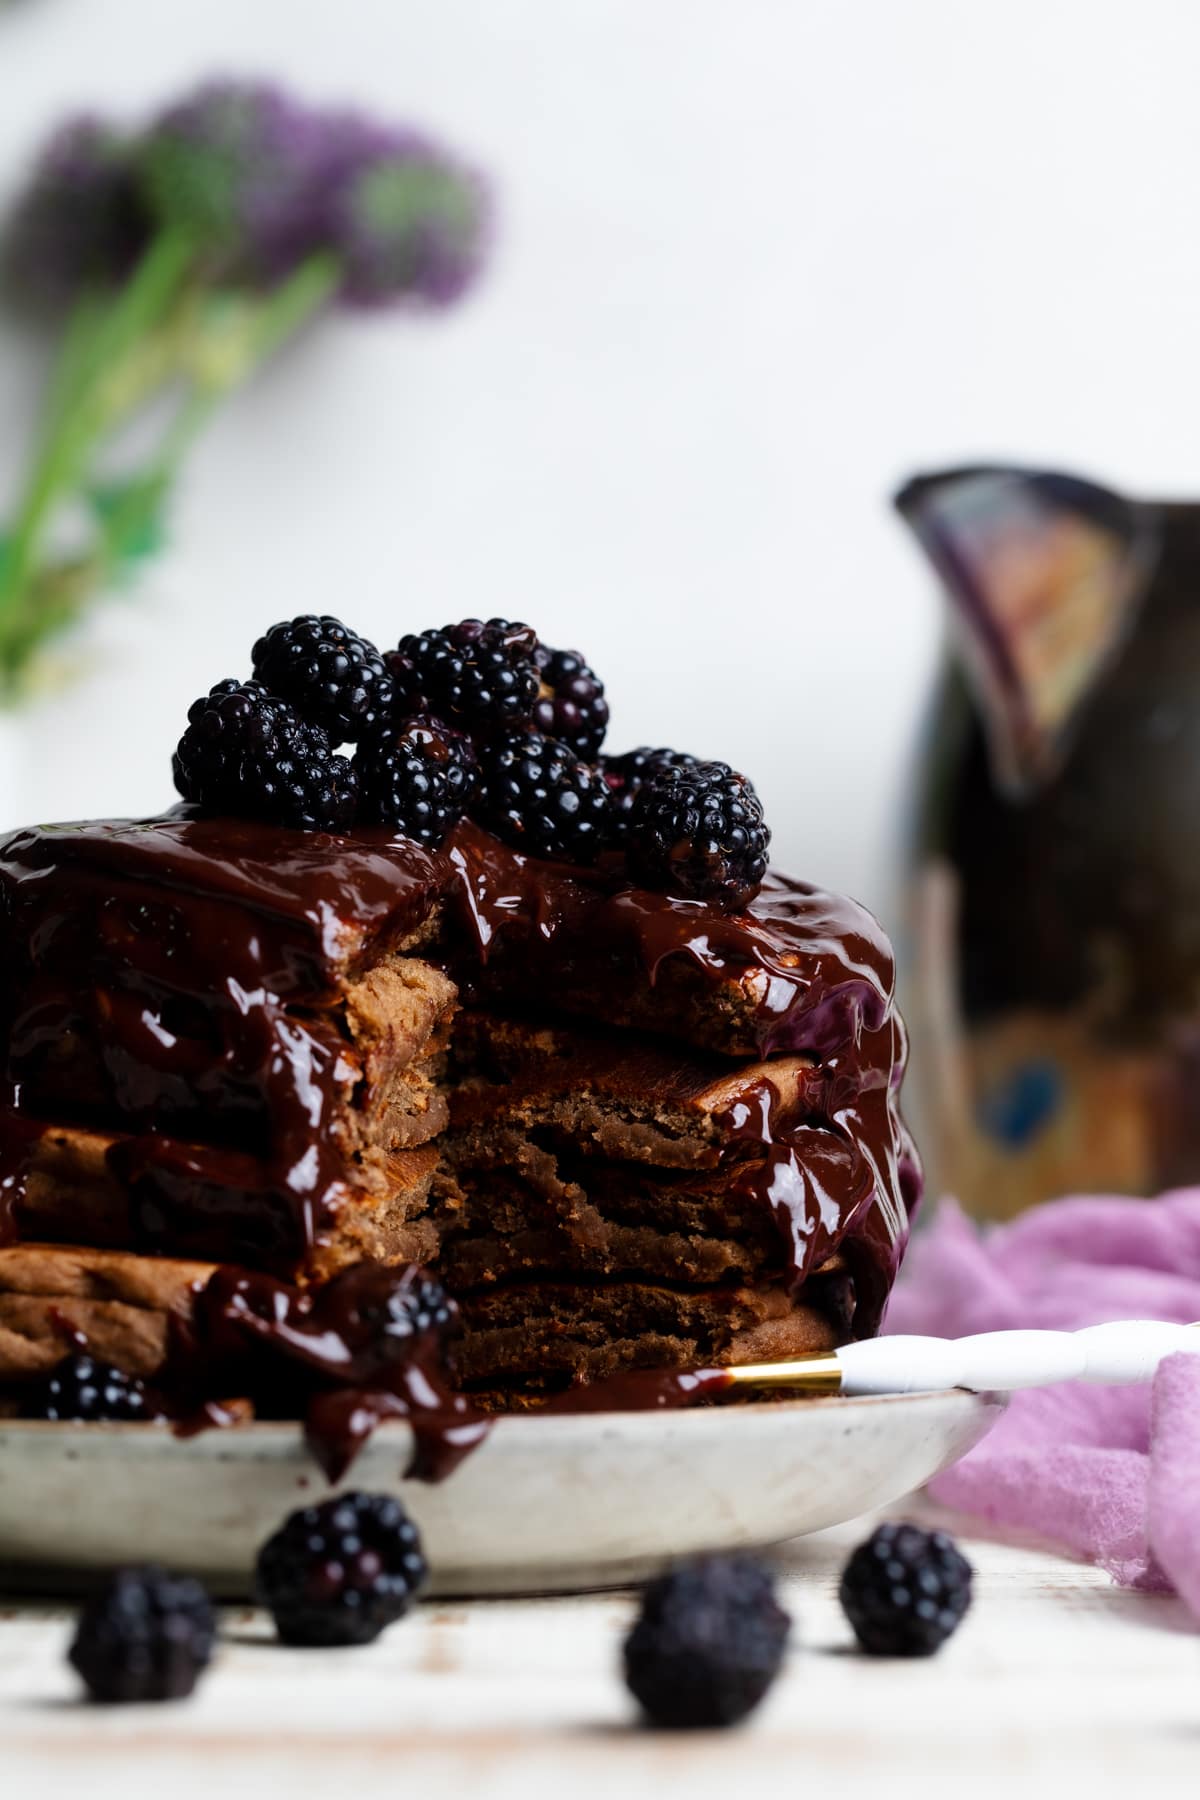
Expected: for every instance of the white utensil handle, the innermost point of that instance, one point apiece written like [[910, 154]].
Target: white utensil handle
[[1131, 1349], [1127, 1351]]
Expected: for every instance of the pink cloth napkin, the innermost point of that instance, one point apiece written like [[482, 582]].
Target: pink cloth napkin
[[1111, 1473]]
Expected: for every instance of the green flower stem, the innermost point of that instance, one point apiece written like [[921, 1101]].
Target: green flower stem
[[80, 414], [57, 596], [28, 612], [265, 325], [236, 332], [137, 306], [158, 330], [294, 302], [73, 356]]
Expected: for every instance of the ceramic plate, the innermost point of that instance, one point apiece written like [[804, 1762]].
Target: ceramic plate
[[584, 1500]]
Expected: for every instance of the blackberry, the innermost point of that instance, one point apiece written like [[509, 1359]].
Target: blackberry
[[905, 1590], [79, 1387], [248, 753], [709, 1641], [383, 1314], [540, 798], [333, 677], [699, 832], [482, 677], [417, 776], [340, 1572], [146, 1635], [570, 705], [626, 774]]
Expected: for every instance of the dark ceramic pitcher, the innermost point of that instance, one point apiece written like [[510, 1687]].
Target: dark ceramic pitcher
[[1055, 956]]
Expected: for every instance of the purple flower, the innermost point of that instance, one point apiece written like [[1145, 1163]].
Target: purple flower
[[237, 166], [259, 184], [409, 223], [81, 219]]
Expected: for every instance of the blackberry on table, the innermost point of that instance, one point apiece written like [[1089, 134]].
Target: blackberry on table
[[339, 1573], [698, 832], [417, 776], [480, 676], [333, 677], [248, 753], [905, 1590], [628, 773], [539, 797], [80, 1388], [708, 1642], [570, 705], [146, 1635]]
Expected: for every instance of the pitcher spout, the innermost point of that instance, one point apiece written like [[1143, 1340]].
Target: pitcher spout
[[1046, 574]]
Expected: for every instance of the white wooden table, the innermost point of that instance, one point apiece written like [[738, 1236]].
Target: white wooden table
[[1054, 1676]]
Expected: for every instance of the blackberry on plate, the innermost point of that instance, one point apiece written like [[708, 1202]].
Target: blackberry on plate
[[146, 1635], [698, 832], [417, 776], [248, 753], [540, 798], [414, 1305], [80, 1388], [480, 676], [387, 1315], [627, 773], [905, 1590], [340, 1572], [708, 1642], [333, 677], [570, 704]]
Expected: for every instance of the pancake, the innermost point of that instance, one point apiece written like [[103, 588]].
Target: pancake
[[624, 1129]]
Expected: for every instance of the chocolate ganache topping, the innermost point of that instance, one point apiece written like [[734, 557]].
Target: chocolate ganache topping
[[204, 956], [201, 955], [800, 971]]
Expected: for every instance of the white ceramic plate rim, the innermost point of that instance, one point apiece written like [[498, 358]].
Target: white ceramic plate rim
[[682, 1418], [545, 1503]]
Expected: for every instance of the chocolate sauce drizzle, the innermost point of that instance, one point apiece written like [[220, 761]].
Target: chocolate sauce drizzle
[[342, 1353], [196, 960], [816, 975], [199, 961], [643, 1390]]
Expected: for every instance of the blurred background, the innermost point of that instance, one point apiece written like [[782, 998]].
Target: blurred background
[[755, 263]]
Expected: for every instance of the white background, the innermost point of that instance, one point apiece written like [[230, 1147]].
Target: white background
[[757, 260]]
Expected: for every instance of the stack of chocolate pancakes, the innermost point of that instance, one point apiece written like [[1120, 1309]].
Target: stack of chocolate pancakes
[[624, 1129]]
